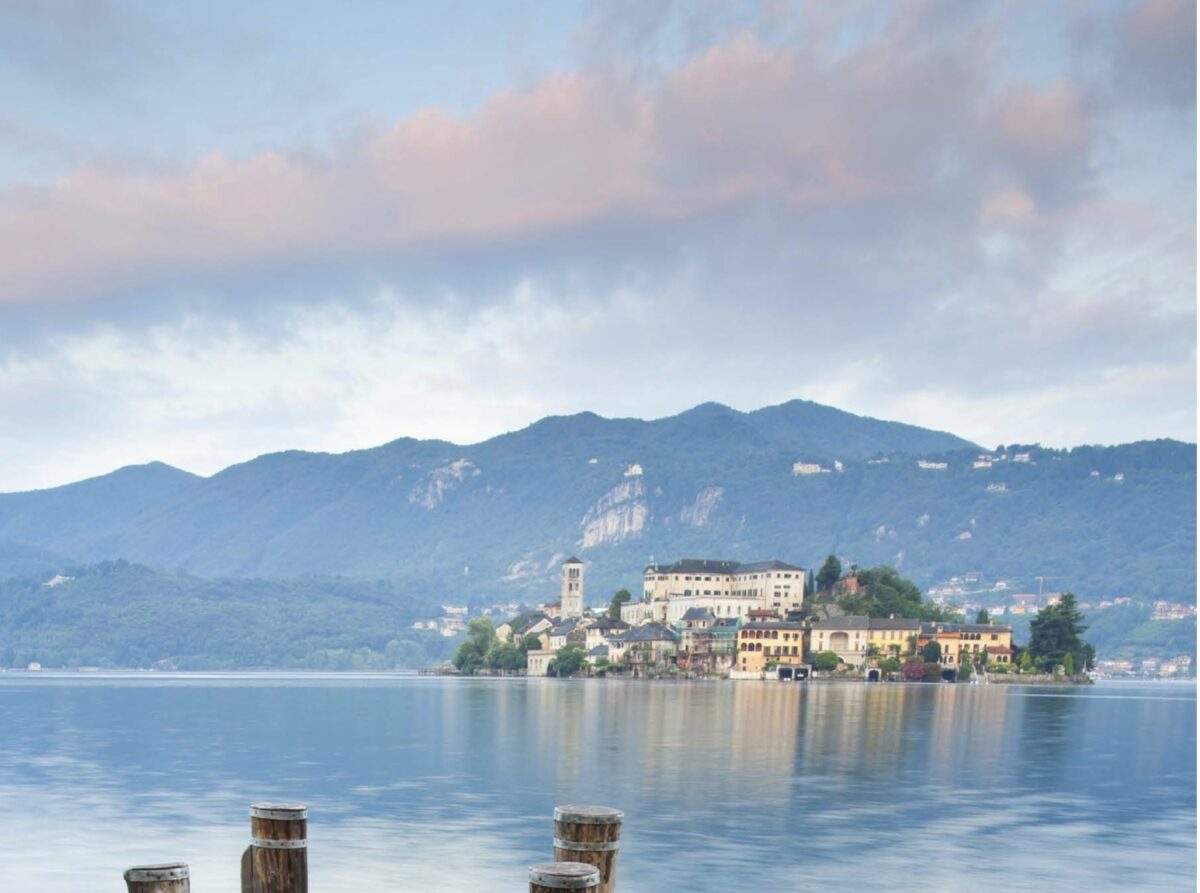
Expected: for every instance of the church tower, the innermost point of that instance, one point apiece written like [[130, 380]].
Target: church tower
[[572, 589]]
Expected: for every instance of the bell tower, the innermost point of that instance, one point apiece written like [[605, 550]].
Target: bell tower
[[572, 588]]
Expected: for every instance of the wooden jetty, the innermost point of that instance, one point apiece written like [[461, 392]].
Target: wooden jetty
[[584, 846]]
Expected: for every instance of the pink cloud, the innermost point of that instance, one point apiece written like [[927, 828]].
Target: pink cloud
[[1041, 122], [741, 121]]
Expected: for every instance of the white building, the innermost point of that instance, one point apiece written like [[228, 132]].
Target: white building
[[726, 588]]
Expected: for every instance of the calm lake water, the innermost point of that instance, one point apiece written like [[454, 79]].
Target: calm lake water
[[725, 786]]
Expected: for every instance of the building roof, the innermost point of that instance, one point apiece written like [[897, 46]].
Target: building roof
[[753, 566], [850, 621], [564, 628], [715, 566], [572, 560], [649, 632], [724, 622], [608, 623], [599, 651], [964, 628], [522, 622], [697, 614], [903, 623], [999, 649]]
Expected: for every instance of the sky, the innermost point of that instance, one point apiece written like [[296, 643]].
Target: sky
[[236, 228]]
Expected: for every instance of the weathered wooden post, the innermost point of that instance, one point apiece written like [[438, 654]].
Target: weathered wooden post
[[277, 859], [589, 834], [550, 877], [171, 877]]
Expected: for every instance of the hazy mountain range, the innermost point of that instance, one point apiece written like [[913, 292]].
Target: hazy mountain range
[[493, 518]]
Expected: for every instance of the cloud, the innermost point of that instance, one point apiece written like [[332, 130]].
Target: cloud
[[742, 122], [884, 210]]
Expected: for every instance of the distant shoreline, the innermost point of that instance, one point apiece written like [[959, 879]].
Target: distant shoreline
[[1035, 682]]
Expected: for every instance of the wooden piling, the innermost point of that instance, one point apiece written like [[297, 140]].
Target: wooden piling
[[550, 877], [589, 834], [171, 877], [277, 859]]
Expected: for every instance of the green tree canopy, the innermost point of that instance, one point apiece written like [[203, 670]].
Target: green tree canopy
[[825, 661], [882, 592], [505, 656], [830, 573], [982, 616], [472, 654], [620, 597], [932, 652], [569, 660], [530, 643], [1056, 632]]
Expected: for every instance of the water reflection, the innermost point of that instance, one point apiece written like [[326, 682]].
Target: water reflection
[[724, 785]]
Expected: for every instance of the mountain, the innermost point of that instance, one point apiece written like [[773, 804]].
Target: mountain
[[493, 519]]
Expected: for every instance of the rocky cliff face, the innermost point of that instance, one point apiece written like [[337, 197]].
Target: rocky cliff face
[[698, 512], [618, 515], [432, 490]]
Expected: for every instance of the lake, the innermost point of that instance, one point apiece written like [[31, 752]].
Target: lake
[[725, 786]]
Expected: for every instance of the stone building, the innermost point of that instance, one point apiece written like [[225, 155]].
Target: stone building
[[571, 598]]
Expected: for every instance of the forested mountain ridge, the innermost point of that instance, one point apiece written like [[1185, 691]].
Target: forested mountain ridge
[[490, 520]]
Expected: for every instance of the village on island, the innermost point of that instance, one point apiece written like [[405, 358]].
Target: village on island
[[705, 618]]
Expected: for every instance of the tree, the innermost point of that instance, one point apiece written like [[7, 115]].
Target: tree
[[530, 643], [620, 597], [467, 659], [932, 652], [569, 660], [1056, 632], [471, 656], [882, 592], [830, 573], [890, 665], [1068, 664], [825, 661], [965, 669], [913, 669], [1026, 662], [505, 656], [982, 616]]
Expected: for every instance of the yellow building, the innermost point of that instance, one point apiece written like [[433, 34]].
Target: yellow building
[[762, 642], [893, 636], [959, 640]]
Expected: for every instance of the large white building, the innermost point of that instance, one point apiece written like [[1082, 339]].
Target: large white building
[[726, 588]]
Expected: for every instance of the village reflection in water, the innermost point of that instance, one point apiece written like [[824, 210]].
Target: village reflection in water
[[724, 784]]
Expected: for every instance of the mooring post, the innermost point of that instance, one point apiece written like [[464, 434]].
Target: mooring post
[[277, 859], [550, 877], [171, 877], [589, 834]]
